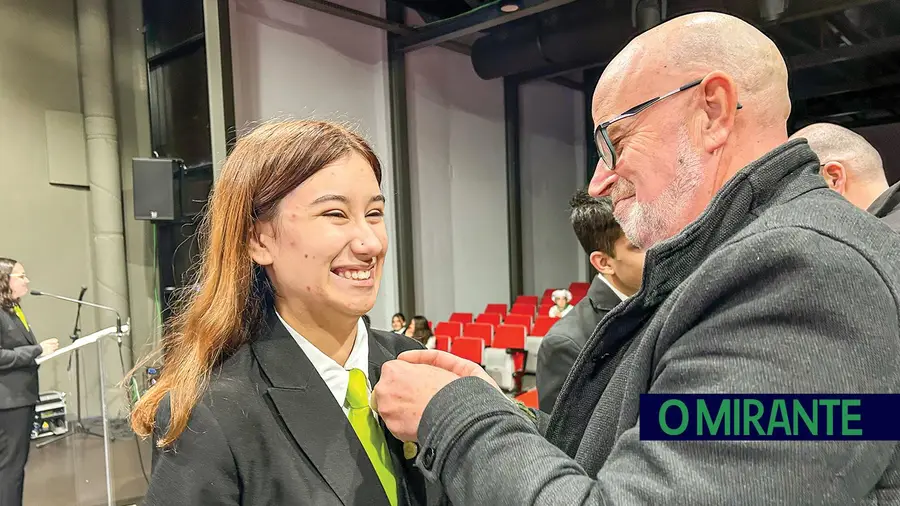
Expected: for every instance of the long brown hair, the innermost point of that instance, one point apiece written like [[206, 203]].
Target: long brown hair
[[6, 299], [233, 294]]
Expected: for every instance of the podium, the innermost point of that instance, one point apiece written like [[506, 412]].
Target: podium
[[95, 339]]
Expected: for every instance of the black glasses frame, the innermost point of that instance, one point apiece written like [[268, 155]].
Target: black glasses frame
[[601, 135]]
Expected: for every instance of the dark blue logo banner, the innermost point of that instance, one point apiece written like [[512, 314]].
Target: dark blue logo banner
[[870, 417]]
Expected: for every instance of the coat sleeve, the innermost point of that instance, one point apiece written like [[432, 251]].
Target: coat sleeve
[[556, 357], [18, 357], [199, 469], [770, 317]]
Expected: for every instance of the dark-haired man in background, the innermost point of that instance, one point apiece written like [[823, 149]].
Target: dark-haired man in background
[[620, 266]]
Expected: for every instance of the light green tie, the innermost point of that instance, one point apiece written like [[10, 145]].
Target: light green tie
[[369, 433], [21, 316]]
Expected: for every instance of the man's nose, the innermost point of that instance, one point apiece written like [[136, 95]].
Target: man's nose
[[601, 183]]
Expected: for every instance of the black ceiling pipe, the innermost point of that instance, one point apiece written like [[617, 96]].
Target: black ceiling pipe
[[595, 39]]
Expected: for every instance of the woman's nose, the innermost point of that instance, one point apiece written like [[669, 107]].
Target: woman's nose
[[602, 181]]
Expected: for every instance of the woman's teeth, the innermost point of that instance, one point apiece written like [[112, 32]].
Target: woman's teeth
[[358, 275]]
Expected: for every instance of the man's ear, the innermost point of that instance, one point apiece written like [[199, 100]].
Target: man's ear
[[720, 105], [261, 241], [835, 175], [601, 262]]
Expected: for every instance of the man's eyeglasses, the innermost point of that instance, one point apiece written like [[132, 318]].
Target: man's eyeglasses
[[601, 137]]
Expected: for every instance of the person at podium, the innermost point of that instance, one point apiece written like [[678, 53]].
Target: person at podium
[[19, 392], [264, 392]]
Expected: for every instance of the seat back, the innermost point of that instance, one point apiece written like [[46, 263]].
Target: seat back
[[523, 309], [452, 329], [461, 317], [442, 343], [491, 318], [469, 348], [527, 299], [483, 331], [496, 308], [510, 336], [519, 319], [542, 324]]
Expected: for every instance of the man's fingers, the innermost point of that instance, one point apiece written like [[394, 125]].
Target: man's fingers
[[440, 359]]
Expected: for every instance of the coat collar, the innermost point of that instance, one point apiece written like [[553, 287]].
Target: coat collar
[[312, 417]]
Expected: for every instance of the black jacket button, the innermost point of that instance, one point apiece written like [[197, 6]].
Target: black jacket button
[[428, 458]]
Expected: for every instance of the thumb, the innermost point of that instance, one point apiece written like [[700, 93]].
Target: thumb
[[443, 360]]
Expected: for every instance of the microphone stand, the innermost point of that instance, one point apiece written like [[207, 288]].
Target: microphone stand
[[78, 427]]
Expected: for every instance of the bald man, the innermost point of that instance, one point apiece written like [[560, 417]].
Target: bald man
[[758, 279], [852, 167]]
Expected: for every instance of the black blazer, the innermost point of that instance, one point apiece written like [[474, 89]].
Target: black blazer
[[565, 340], [268, 432], [18, 371]]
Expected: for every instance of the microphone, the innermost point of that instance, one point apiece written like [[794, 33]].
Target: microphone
[[84, 303]]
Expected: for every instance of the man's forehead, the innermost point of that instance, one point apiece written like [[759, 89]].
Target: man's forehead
[[620, 85]]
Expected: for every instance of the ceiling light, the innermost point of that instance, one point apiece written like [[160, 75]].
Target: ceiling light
[[509, 6]]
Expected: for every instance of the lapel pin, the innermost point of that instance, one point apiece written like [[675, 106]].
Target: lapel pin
[[410, 450]]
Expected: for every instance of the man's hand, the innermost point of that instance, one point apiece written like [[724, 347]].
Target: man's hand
[[408, 384], [49, 346], [458, 366]]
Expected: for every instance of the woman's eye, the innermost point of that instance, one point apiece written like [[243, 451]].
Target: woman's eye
[[335, 214], [375, 214]]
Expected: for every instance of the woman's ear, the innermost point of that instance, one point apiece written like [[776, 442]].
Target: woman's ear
[[261, 241]]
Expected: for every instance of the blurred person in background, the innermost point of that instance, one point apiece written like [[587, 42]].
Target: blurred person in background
[[853, 167], [398, 323], [19, 391], [561, 303], [419, 330], [619, 264], [264, 393]]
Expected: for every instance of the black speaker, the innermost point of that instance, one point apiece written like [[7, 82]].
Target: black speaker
[[155, 192]]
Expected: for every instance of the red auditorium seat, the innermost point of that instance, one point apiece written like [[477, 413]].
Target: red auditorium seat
[[512, 338], [542, 325], [577, 287], [452, 329], [544, 310], [548, 293], [461, 317], [442, 343], [529, 398], [469, 348], [493, 318], [527, 299], [496, 308], [519, 319], [576, 299], [483, 331], [430, 325], [523, 309]]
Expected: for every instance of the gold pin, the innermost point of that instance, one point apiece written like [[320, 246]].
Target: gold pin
[[410, 450]]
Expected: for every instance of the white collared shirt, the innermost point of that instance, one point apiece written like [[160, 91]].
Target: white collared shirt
[[619, 294], [336, 376]]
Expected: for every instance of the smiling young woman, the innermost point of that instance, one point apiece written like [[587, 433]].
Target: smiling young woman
[[269, 364]]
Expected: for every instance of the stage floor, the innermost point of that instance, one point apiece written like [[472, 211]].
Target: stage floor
[[71, 472]]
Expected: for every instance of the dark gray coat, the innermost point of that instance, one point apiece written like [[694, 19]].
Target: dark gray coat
[[779, 286], [564, 341], [887, 207]]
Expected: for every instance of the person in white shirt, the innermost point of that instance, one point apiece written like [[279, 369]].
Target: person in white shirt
[[561, 299], [269, 366]]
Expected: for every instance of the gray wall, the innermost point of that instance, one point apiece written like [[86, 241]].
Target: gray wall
[[46, 196]]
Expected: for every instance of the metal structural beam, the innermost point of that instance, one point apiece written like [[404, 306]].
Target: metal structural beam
[[219, 80], [805, 9], [394, 27], [512, 117], [477, 20], [403, 239], [845, 53]]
